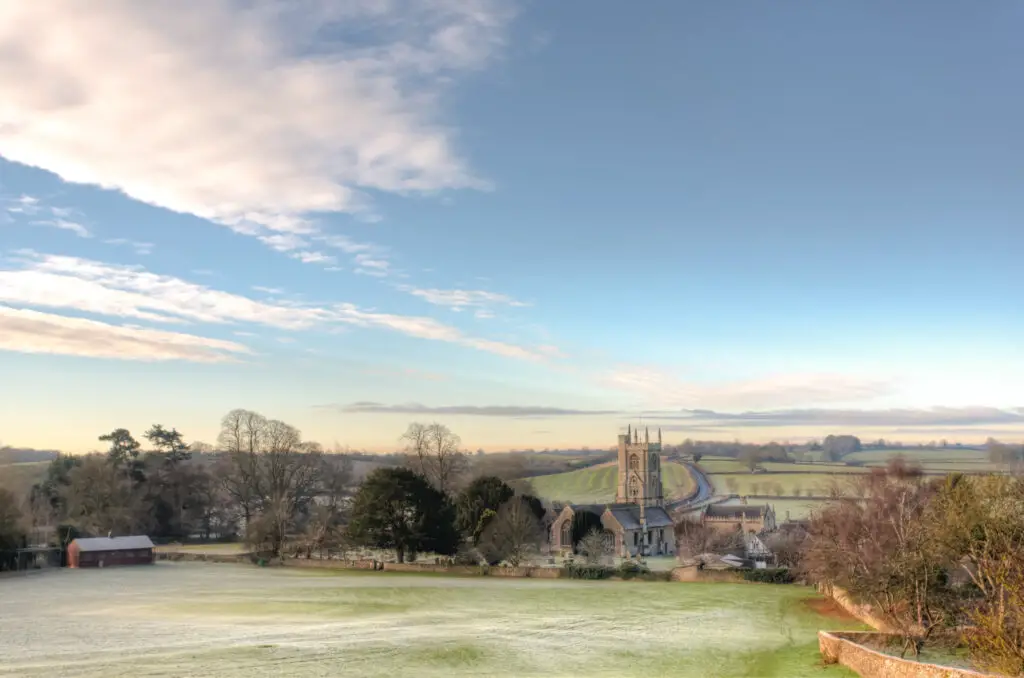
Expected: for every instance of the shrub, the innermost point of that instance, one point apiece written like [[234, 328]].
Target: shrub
[[584, 571], [629, 570], [779, 575]]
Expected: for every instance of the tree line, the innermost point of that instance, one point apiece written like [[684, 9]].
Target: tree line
[[282, 495]]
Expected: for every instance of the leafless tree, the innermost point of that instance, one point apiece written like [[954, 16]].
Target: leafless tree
[[272, 474], [433, 452], [693, 539], [881, 551], [513, 535], [593, 547]]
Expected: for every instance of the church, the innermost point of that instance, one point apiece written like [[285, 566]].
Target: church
[[637, 523]]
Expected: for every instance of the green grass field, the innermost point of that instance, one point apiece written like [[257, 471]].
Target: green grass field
[[192, 619], [942, 460], [596, 485]]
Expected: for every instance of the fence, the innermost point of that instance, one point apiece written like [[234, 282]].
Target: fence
[[30, 559]]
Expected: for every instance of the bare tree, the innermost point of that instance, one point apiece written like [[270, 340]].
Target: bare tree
[[881, 551], [693, 539], [513, 535], [272, 475], [593, 547], [433, 452]]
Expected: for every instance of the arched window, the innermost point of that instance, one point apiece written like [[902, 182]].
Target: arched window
[[634, 487], [634, 463], [654, 462], [566, 539]]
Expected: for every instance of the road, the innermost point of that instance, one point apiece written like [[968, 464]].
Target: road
[[705, 492]]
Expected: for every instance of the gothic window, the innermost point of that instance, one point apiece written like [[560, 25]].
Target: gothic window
[[566, 533], [654, 461], [634, 463], [634, 487]]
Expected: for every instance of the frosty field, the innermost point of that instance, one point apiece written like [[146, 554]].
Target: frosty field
[[191, 619]]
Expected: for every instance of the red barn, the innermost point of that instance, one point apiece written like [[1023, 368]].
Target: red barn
[[107, 551]]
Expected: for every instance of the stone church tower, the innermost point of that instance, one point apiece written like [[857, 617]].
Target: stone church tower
[[639, 470]]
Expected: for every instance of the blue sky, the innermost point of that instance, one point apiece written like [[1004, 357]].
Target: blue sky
[[532, 221]]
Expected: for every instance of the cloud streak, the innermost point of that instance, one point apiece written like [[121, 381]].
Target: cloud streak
[[882, 418], [28, 331], [498, 411], [307, 107], [88, 286]]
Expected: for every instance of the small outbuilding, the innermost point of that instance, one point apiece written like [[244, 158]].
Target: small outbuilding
[[108, 551]]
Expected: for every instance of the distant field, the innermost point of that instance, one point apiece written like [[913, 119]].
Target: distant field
[[596, 485], [939, 460], [21, 476], [729, 464], [787, 484]]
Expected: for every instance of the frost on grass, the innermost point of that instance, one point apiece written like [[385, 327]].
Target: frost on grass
[[195, 619]]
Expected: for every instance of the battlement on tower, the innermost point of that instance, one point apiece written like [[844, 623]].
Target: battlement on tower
[[639, 480]]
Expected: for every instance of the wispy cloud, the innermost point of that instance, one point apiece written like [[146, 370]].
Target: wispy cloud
[[307, 106], [886, 418], [36, 213], [23, 204], [65, 225], [28, 331], [504, 411], [141, 248], [458, 300], [87, 286], [662, 389]]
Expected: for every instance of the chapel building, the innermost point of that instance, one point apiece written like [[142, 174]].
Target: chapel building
[[637, 522]]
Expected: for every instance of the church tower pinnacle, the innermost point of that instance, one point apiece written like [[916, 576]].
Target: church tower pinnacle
[[639, 477]]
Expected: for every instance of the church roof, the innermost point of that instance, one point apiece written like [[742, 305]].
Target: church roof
[[628, 515], [596, 509], [734, 511]]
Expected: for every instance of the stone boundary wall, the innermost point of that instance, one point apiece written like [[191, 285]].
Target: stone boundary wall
[[690, 573], [679, 574], [193, 556], [862, 612], [849, 650]]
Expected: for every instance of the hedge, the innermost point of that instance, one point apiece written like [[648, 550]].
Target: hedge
[[779, 575]]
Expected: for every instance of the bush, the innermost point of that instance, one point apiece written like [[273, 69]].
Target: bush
[[779, 575], [629, 570], [583, 571]]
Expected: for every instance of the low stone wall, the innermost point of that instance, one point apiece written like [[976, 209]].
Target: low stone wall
[[850, 650], [691, 573], [455, 570], [195, 556], [861, 611]]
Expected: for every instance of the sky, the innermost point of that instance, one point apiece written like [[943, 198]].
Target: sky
[[535, 222]]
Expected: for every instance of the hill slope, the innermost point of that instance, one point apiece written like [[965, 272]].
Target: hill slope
[[596, 485]]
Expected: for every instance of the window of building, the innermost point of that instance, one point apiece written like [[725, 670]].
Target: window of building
[[634, 462], [566, 533]]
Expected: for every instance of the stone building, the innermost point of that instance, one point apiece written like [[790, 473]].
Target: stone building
[[637, 523], [747, 519]]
